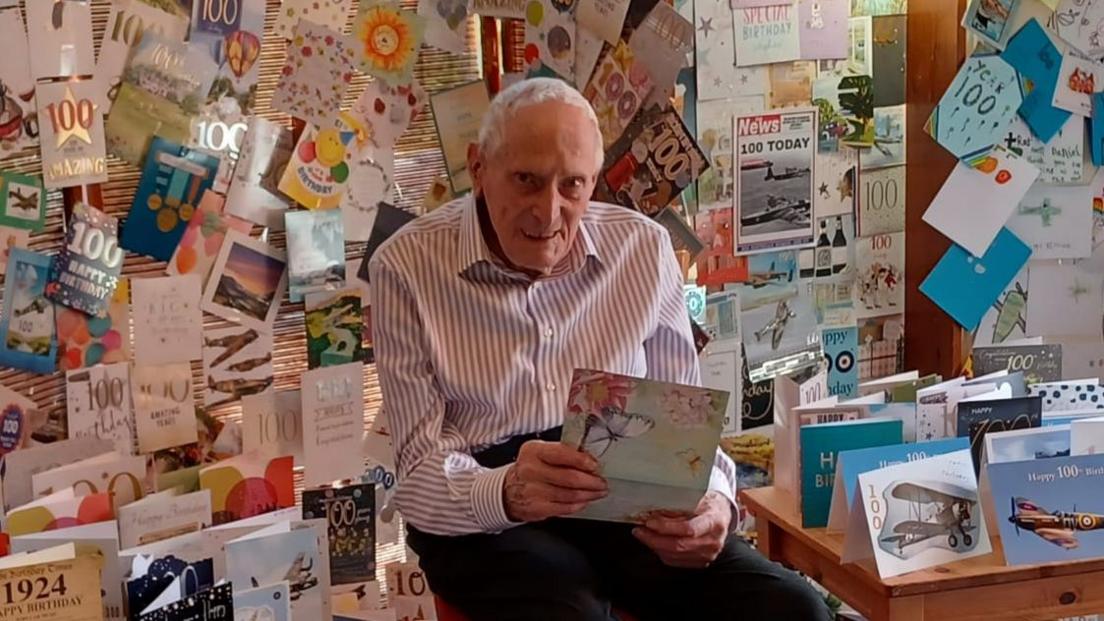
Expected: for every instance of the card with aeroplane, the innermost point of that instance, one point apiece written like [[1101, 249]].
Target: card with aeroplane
[[296, 552], [656, 441], [851, 463], [1047, 510], [916, 515], [237, 362]]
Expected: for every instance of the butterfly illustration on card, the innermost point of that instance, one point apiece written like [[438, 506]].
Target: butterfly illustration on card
[[603, 430], [692, 459]]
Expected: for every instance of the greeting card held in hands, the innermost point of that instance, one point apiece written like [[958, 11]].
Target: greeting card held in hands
[[98, 405], [168, 324], [237, 362], [72, 134], [84, 340], [247, 282], [333, 423], [917, 515], [164, 411], [655, 441], [27, 322], [86, 271]]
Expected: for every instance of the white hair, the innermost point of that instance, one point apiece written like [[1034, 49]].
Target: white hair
[[530, 93]]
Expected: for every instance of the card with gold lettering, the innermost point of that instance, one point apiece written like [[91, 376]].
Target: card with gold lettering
[[19, 119], [173, 181], [317, 72], [237, 362], [164, 87], [99, 540], [350, 514], [27, 322], [162, 516], [230, 31], [272, 424], [123, 477], [333, 428], [60, 33], [86, 340], [164, 412], [168, 323], [98, 404], [85, 272], [127, 22], [71, 135], [66, 590]]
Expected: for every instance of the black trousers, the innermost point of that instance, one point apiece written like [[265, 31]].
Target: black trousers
[[576, 570]]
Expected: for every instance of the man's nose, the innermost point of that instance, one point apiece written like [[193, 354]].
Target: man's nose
[[547, 206]]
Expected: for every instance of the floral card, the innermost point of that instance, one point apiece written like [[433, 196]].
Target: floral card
[[316, 251], [173, 181], [22, 201], [388, 39], [230, 33], [86, 271], [387, 111], [320, 167], [247, 282], [253, 192], [655, 442], [550, 36], [272, 424], [617, 90], [316, 73], [127, 22], [333, 423], [27, 322], [86, 340], [458, 113], [202, 240], [60, 33], [248, 485], [236, 362], [334, 328], [98, 405], [167, 320], [18, 124], [72, 134], [164, 410], [332, 14]]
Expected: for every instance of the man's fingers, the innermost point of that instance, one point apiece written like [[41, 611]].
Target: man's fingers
[[564, 495], [556, 454], [571, 478], [680, 527]]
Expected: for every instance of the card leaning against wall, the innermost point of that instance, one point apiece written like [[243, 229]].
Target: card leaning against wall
[[98, 405], [27, 322], [164, 409]]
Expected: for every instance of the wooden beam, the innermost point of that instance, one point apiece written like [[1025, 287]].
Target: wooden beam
[[936, 49]]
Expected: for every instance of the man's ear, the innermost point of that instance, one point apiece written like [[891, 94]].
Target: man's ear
[[475, 168]]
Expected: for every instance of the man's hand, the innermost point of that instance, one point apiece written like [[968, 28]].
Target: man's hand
[[689, 541], [550, 479]]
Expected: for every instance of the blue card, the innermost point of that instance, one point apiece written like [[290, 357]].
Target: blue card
[[1096, 130], [1049, 510], [173, 180], [27, 323], [977, 107], [1035, 57], [819, 446], [841, 350], [855, 462], [1040, 115], [965, 286]]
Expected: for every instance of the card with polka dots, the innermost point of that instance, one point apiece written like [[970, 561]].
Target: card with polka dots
[[86, 340], [168, 324], [1069, 395], [550, 36], [173, 181], [330, 14], [316, 73]]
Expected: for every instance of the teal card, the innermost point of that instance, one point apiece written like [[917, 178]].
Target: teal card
[[820, 444]]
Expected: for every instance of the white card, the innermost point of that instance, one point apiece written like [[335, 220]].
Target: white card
[[835, 176], [123, 476], [879, 287], [15, 72], [168, 325], [60, 33], [21, 465], [766, 35], [163, 516], [1078, 79], [1060, 161], [98, 405], [408, 590], [272, 424], [882, 201], [333, 423], [101, 537], [1055, 221], [975, 202], [718, 75], [1066, 300], [603, 17], [164, 410]]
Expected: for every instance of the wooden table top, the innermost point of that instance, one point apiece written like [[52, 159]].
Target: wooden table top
[[780, 509]]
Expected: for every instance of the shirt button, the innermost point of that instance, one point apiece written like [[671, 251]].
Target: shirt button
[[551, 387], [548, 333]]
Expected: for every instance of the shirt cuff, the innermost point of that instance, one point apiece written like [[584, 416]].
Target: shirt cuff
[[718, 482], [487, 500]]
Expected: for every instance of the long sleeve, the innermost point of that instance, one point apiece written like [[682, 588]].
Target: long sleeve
[[442, 489], [672, 356]]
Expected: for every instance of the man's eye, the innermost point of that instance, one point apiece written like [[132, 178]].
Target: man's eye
[[525, 178], [574, 183]]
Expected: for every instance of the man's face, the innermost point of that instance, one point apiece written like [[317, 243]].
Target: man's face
[[538, 182]]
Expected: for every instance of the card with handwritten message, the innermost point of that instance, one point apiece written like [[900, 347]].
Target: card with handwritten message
[[977, 108], [1055, 221]]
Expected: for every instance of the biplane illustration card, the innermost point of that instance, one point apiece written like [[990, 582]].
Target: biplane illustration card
[[236, 362], [656, 441], [1047, 510], [22, 201], [276, 554], [27, 322], [917, 515]]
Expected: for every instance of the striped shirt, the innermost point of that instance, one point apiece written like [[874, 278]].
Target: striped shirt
[[471, 353]]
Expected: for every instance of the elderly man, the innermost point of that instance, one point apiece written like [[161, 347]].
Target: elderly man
[[482, 310]]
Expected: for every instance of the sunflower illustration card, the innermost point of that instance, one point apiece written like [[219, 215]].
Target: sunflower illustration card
[[387, 40], [317, 72], [237, 362], [656, 441]]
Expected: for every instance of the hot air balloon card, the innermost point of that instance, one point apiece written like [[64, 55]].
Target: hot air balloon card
[[253, 194], [60, 33], [1048, 510], [173, 181], [85, 272], [165, 85], [387, 40], [87, 340], [977, 108], [202, 240], [334, 328], [167, 319], [332, 15], [27, 321], [164, 410], [446, 23], [247, 282], [320, 167], [71, 134], [22, 201], [18, 121], [319, 67], [230, 32], [550, 35], [316, 251], [126, 24], [237, 362]]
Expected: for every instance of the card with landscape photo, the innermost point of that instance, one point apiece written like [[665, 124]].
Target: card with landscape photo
[[247, 282], [316, 251]]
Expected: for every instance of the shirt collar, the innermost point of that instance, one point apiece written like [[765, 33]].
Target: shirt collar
[[476, 256]]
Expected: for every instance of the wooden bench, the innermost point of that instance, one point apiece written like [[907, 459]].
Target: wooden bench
[[977, 589]]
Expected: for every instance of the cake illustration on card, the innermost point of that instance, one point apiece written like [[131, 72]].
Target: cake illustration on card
[[656, 441]]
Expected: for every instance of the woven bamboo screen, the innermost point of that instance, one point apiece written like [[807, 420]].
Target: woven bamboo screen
[[418, 163]]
